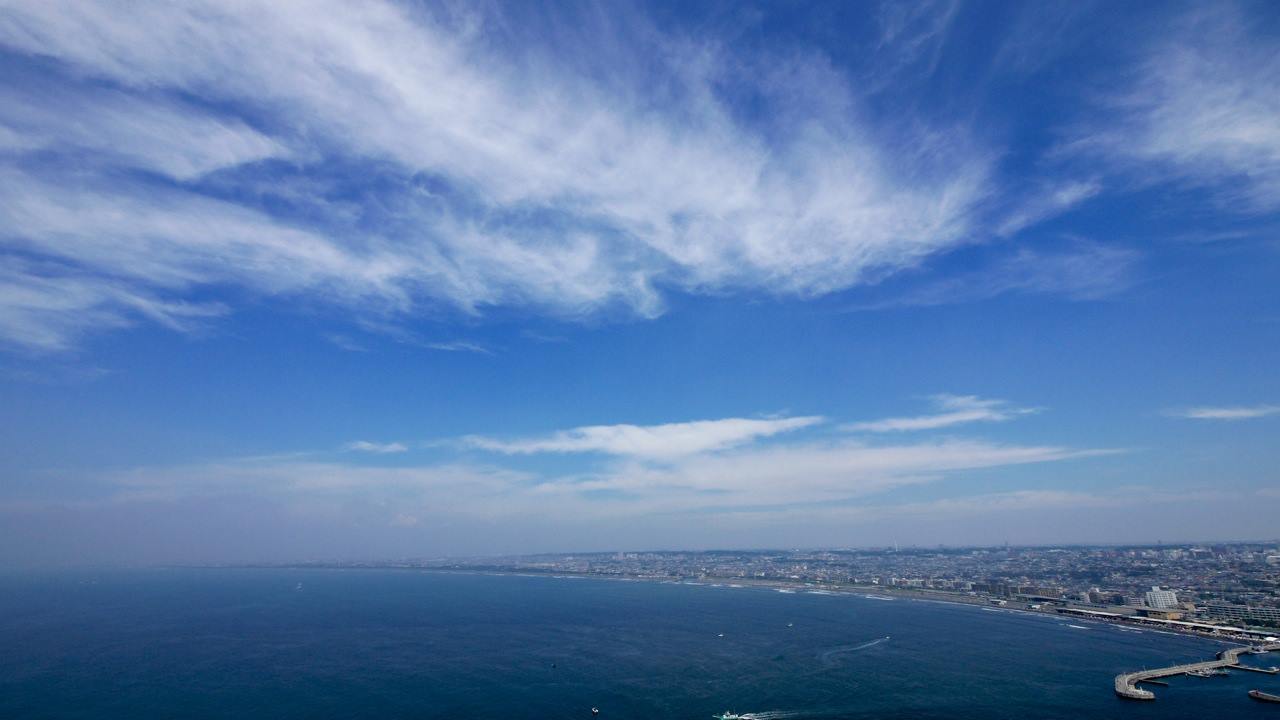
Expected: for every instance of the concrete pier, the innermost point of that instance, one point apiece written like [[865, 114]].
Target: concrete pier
[[1268, 671], [1127, 683]]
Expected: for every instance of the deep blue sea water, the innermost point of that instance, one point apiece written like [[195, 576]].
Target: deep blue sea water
[[402, 644]]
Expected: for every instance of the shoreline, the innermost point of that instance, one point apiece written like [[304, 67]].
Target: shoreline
[[873, 592]]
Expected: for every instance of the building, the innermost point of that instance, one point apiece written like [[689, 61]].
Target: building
[[1161, 599], [1268, 615], [1162, 613]]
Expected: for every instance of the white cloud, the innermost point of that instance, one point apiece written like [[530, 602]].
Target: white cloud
[[375, 447], [162, 135], [460, 346], [1202, 110], [671, 440], [984, 505], [47, 311], [797, 474], [954, 410], [1228, 413], [771, 480], [163, 238], [340, 489], [1082, 271], [634, 192], [1048, 203]]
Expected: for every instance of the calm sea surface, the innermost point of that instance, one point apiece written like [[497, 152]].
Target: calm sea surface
[[390, 644]]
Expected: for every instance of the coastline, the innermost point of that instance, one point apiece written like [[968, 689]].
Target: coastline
[[866, 591]]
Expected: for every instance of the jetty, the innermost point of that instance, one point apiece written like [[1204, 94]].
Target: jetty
[[1250, 668], [1127, 683]]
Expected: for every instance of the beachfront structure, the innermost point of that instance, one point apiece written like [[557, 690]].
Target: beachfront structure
[[1269, 615]]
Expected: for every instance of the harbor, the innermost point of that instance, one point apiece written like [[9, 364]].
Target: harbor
[[1126, 684]]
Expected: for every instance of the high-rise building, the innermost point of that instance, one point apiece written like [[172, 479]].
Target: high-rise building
[[1161, 599]]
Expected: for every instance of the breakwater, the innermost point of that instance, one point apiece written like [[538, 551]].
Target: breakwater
[[1126, 684]]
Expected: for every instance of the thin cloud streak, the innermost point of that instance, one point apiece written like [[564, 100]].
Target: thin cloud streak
[[1227, 413], [460, 346], [375, 447], [1083, 271], [1049, 203], [45, 309], [671, 440], [956, 410]]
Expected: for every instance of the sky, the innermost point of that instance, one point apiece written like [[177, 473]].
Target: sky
[[286, 281]]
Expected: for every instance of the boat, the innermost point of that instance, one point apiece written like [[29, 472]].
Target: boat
[[729, 716], [1264, 697]]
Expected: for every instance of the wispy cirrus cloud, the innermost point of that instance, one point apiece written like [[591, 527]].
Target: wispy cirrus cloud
[[1047, 203], [486, 179], [375, 447], [953, 410], [44, 308], [1200, 111], [460, 346], [1081, 271], [1248, 412], [984, 505], [129, 129], [670, 440]]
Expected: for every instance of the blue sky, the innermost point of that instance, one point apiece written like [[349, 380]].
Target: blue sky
[[280, 281]]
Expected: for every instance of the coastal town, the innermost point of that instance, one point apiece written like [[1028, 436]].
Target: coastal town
[[1230, 589]]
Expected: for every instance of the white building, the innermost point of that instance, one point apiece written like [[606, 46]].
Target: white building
[[1161, 599]]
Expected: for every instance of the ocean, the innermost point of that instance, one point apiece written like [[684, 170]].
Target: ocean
[[284, 643]]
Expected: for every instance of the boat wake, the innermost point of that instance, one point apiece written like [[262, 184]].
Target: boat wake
[[831, 657], [788, 714]]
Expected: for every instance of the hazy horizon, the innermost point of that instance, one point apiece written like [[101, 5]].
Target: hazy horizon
[[286, 281]]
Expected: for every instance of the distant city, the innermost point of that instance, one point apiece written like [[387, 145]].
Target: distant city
[[1221, 589]]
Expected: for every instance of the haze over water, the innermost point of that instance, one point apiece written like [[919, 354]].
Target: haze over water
[[380, 643]]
